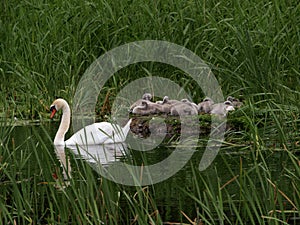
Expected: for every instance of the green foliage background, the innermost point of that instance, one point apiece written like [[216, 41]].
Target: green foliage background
[[45, 46]]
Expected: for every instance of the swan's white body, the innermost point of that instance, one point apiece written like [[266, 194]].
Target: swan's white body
[[97, 133]]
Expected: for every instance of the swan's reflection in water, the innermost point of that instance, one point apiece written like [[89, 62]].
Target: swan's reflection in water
[[95, 155]]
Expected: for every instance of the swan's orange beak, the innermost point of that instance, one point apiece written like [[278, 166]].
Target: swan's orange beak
[[53, 111]]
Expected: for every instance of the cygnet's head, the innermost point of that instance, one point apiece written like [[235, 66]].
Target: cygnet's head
[[228, 106], [165, 99], [185, 100], [230, 98], [147, 96], [207, 99]]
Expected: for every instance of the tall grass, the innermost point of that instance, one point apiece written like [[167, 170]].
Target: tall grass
[[46, 46]]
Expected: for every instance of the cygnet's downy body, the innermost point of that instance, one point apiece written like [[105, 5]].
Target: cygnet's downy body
[[183, 109], [205, 106], [221, 109], [147, 108], [190, 103], [145, 97]]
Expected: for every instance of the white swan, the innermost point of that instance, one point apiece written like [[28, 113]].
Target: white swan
[[96, 133]]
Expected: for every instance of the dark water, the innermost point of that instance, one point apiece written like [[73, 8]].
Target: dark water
[[174, 193]]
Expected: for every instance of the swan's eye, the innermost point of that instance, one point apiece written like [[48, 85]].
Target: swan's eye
[[52, 107]]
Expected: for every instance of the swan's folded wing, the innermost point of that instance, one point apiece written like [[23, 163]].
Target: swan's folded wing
[[89, 135], [98, 133], [112, 133]]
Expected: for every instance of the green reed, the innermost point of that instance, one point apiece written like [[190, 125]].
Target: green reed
[[46, 47]]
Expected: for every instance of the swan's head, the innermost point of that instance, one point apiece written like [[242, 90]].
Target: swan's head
[[57, 105]]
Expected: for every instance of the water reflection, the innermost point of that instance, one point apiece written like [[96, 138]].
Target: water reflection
[[236, 169], [66, 168], [64, 161], [96, 155]]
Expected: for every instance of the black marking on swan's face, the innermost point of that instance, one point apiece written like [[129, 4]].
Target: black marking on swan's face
[[52, 107], [53, 110]]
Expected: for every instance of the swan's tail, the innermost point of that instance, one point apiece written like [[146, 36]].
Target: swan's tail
[[126, 128], [120, 134]]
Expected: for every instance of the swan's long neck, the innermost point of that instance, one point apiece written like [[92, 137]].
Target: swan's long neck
[[64, 125]]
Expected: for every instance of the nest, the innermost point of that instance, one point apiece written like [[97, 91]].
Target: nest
[[167, 125]]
